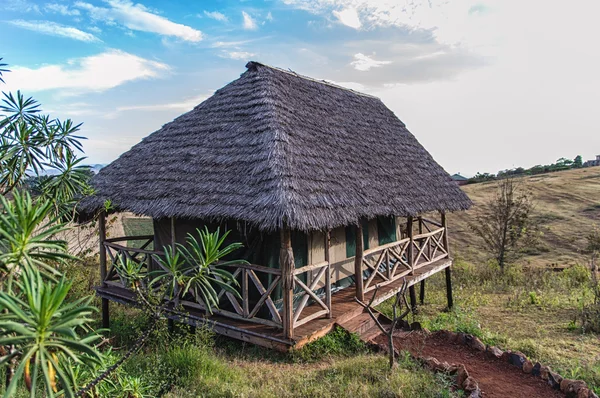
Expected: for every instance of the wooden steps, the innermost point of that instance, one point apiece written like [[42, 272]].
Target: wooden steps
[[363, 325]]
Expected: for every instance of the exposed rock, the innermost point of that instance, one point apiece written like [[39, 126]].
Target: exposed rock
[[584, 393], [527, 366], [470, 384], [554, 380], [506, 356], [518, 359], [461, 338], [564, 384], [447, 335], [475, 343], [574, 388], [461, 375], [444, 367], [494, 351], [544, 372], [431, 363], [416, 326], [475, 393], [537, 369]]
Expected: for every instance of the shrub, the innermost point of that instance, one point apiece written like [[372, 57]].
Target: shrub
[[577, 275]]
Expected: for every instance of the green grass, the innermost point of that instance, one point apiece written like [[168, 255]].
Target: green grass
[[200, 364]]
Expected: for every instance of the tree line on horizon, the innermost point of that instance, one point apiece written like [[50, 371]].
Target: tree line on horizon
[[560, 164]]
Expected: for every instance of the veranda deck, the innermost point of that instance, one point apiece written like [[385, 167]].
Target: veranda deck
[[344, 307]]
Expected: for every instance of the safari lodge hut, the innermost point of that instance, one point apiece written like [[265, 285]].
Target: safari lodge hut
[[328, 191]]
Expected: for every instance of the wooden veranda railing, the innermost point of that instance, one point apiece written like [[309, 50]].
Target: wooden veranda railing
[[256, 285], [385, 264], [308, 291]]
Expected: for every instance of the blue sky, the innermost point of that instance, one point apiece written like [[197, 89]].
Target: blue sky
[[484, 85]]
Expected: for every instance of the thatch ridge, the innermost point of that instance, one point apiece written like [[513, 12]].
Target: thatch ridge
[[274, 147]]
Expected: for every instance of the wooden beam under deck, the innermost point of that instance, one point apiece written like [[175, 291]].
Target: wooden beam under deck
[[344, 308]]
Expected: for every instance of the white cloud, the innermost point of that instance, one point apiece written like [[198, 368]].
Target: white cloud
[[219, 44], [348, 17], [216, 15], [137, 17], [238, 55], [94, 73], [185, 105], [20, 5], [269, 17], [364, 63], [249, 23], [54, 29], [450, 21], [61, 9]]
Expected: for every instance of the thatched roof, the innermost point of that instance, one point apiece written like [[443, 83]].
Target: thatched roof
[[274, 147]]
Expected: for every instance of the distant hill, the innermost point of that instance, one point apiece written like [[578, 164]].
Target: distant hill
[[567, 205], [94, 167]]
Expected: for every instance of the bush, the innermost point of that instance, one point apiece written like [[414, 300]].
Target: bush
[[577, 275]]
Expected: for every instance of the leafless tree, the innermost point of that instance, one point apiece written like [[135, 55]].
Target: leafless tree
[[399, 301], [504, 222]]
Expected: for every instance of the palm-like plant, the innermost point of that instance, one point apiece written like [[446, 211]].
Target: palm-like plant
[[197, 268], [45, 329], [27, 236]]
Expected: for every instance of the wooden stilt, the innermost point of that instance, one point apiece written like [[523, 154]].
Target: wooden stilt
[[102, 239], [449, 288], [328, 274], [422, 292], [103, 269], [411, 245], [105, 314], [358, 260], [448, 271], [286, 263], [413, 297], [170, 325]]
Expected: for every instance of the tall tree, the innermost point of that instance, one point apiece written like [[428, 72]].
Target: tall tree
[[504, 221], [578, 161]]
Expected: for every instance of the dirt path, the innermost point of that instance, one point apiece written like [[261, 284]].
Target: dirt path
[[496, 378]]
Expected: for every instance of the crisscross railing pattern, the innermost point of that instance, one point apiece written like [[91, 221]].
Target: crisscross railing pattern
[[255, 295], [118, 252], [315, 272], [385, 264]]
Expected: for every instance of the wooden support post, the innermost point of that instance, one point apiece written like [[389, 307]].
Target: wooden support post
[[445, 238], [409, 251], [328, 273], [448, 270], [413, 298], [449, 288], [358, 260], [173, 235], [102, 239], [286, 263], [422, 292], [103, 268], [170, 325]]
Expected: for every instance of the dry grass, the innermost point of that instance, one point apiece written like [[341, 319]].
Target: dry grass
[[567, 206]]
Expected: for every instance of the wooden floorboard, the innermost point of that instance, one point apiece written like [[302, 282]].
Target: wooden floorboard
[[344, 308]]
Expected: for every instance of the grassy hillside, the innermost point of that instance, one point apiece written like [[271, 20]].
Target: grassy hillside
[[567, 206]]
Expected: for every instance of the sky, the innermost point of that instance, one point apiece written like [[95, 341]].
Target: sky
[[484, 85]]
